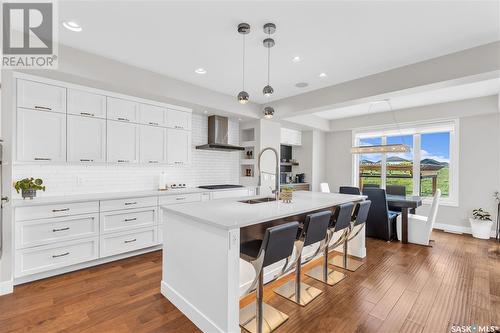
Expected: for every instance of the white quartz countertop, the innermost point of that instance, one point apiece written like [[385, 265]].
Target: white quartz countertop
[[40, 201], [231, 214]]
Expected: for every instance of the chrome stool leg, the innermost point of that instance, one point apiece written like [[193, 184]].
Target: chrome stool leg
[[295, 290], [324, 273], [344, 261]]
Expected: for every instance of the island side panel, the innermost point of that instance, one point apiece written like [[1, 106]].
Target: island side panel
[[201, 272]]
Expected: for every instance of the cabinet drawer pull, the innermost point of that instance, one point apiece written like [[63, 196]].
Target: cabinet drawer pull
[[87, 114], [180, 198], [130, 220], [42, 159], [60, 229], [60, 255], [181, 127], [152, 161], [86, 160], [130, 203], [60, 210], [123, 161], [130, 240], [152, 123], [42, 108], [123, 119]]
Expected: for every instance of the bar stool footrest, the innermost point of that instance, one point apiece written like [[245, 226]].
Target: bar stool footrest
[[271, 320], [332, 276], [307, 292], [352, 264]]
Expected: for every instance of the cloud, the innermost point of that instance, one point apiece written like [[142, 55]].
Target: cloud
[[439, 158]]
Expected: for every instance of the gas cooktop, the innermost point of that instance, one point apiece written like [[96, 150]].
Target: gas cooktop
[[218, 187]]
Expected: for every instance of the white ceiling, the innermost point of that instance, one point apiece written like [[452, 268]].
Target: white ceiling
[[455, 93], [346, 40]]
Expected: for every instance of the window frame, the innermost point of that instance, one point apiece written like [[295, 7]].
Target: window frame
[[416, 130]]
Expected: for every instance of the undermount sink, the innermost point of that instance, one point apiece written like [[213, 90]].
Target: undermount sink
[[258, 200]]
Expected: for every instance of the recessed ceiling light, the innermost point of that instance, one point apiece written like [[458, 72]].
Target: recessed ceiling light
[[301, 84], [296, 59], [72, 25], [200, 70], [239, 119], [205, 111], [322, 75]]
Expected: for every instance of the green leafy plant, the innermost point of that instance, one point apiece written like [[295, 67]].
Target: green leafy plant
[[481, 215], [29, 183], [287, 189]]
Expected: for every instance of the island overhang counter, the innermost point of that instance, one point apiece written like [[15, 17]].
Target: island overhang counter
[[202, 274]]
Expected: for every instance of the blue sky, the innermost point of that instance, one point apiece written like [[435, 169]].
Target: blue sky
[[433, 145]]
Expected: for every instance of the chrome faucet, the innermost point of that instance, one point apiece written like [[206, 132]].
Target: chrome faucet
[[276, 192]]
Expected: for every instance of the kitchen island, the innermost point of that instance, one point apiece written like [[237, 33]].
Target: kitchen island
[[202, 272]]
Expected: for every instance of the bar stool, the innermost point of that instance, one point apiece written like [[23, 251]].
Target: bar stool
[[258, 317], [359, 217], [313, 231], [340, 223]]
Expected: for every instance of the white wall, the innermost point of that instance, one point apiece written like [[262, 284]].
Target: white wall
[[479, 154], [207, 167]]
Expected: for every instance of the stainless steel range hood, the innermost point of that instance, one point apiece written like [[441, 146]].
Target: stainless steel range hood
[[217, 135]]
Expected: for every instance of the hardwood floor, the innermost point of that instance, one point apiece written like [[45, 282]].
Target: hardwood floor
[[400, 289]]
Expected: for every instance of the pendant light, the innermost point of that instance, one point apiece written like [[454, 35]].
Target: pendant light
[[268, 112], [243, 29], [380, 149], [269, 29]]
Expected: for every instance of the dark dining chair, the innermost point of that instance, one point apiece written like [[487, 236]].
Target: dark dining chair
[[370, 186], [349, 190], [380, 223], [397, 190]]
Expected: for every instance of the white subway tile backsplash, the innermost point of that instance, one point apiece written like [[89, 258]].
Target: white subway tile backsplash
[[207, 167]]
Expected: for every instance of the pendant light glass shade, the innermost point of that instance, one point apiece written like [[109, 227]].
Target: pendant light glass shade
[[380, 149], [243, 97], [268, 91], [268, 112]]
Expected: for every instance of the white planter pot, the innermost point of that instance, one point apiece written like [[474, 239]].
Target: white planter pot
[[480, 229]]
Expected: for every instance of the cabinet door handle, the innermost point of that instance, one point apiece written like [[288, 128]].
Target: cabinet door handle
[[87, 114], [152, 123], [123, 119], [123, 161], [42, 159], [60, 229], [176, 126], [130, 203], [42, 108], [60, 210], [130, 220], [180, 198], [86, 160], [60, 255], [153, 161], [130, 240]]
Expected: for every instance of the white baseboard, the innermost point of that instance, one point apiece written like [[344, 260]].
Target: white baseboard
[[457, 229], [188, 309], [6, 287]]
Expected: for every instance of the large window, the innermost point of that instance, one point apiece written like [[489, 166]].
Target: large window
[[431, 163]]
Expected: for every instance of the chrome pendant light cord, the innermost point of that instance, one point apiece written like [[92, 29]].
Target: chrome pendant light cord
[[268, 62], [243, 62]]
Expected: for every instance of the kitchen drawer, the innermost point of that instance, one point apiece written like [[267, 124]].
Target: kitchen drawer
[[127, 219], [56, 210], [108, 205], [46, 231], [121, 242], [47, 257], [180, 198]]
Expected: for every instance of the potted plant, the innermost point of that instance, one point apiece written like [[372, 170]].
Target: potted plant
[[481, 223], [287, 194], [28, 187]]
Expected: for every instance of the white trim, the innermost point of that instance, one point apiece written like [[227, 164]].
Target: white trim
[[457, 229], [189, 310], [6, 287]]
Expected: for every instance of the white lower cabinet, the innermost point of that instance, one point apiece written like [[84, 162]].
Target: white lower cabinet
[[126, 241], [123, 142], [86, 139], [43, 258], [41, 136], [128, 219]]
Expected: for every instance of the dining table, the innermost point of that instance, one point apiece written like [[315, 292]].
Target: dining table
[[405, 203]]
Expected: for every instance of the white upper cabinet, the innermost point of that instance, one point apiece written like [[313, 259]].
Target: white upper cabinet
[[152, 115], [41, 136], [153, 142], [291, 137], [86, 139], [179, 119], [178, 146], [123, 142], [86, 104], [122, 110], [41, 96]]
